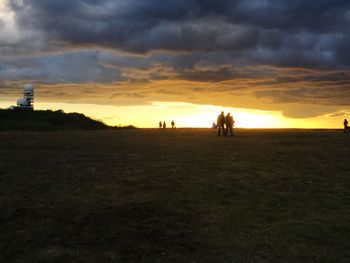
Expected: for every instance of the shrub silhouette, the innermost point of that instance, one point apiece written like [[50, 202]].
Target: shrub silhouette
[[48, 120]]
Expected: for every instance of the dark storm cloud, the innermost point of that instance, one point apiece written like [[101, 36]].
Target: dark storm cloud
[[299, 14], [284, 27]]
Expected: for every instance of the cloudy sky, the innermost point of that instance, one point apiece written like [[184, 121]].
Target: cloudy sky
[[265, 58]]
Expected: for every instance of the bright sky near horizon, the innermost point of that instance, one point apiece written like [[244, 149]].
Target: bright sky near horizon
[[272, 64], [187, 115]]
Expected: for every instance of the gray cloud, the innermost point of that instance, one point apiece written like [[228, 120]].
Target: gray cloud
[[307, 33], [73, 67]]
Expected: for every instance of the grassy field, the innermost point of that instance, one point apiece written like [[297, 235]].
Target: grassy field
[[182, 195]]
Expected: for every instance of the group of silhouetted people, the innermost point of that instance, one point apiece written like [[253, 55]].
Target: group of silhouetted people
[[162, 125], [225, 124]]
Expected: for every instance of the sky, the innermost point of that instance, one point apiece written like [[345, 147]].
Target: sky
[[270, 63]]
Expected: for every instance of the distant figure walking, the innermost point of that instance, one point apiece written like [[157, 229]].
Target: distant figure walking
[[164, 125], [221, 124], [229, 124], [160, 125], [346, 127], [173, 124]]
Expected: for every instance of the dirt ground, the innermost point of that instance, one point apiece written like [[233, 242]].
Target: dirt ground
[[183, 195]]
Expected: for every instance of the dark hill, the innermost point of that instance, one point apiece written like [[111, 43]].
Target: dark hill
[[22, 120]]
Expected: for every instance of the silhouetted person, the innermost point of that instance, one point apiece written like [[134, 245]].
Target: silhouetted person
[[346, 127], [160, 125], [229, 124], [173, 124], [221, 124], [164, 126]]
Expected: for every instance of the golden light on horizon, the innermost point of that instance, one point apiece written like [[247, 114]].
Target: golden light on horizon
[[187, 115]]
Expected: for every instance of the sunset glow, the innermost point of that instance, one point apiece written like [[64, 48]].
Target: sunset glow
[[138, 62], [186, 115]]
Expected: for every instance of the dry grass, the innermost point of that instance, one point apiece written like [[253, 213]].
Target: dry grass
[[182, 195]]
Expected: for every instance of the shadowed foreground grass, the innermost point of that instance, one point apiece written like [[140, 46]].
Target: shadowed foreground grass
[[182, 195]]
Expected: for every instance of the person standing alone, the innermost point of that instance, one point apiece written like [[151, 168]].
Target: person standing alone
[[346, 127]]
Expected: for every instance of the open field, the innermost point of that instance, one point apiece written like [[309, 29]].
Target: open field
[[182, 195]]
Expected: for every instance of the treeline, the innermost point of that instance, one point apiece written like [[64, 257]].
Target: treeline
[[39, 120]]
